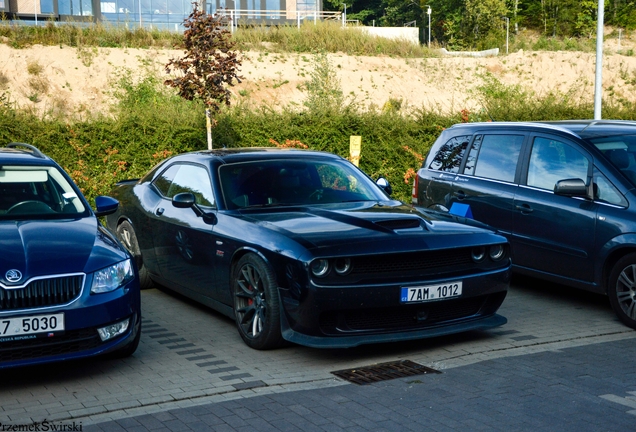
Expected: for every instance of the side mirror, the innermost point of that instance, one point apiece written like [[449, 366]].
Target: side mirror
[[385, 185], [187, 200], [183, 200], [571, 188], [105, 205]]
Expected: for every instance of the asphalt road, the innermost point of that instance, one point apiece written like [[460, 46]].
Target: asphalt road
[[562, 362]]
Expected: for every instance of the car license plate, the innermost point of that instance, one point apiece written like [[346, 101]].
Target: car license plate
[[28, 325], [431, 292]]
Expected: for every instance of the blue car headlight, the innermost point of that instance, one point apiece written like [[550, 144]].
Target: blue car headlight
[[113, 277]]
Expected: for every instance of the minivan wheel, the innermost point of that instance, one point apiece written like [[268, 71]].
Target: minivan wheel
[[622, 289], [126, 235]]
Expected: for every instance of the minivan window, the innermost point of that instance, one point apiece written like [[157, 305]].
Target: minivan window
[[620, 151], [604, 191], [450, 155], [552, 160], [494, 156]]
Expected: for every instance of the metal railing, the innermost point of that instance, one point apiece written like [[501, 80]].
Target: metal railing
[[237, 16]]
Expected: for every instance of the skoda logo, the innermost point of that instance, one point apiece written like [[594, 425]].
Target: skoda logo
[[13, 276]]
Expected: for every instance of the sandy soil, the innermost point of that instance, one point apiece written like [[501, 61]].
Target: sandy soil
[[62, 79]]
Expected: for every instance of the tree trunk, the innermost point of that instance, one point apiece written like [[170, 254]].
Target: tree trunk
[[208, 126]]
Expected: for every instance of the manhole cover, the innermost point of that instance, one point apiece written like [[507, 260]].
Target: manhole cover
[[383, 372]]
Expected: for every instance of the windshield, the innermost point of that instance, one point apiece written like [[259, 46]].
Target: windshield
[[620, 151], [291, 182], [34, 192]]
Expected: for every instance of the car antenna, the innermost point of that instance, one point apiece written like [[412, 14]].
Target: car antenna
[[488, 114]]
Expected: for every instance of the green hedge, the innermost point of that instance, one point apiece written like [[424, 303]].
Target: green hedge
[[151, 123]]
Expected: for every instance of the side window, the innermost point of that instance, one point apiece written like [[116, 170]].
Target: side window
[[193, 179], [186, 178], [494, 157], [551, 161], [449, 156], [164, 180], [604, 191]]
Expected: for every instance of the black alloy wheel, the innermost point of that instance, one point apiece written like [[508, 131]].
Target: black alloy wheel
[[126, 235], [622, 289], [256, 303]]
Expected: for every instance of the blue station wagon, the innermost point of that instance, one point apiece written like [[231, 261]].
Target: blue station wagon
[[68, 289], [563, 193]]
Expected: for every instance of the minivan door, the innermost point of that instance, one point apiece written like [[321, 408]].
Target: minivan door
[[489, 180], [551, 233]]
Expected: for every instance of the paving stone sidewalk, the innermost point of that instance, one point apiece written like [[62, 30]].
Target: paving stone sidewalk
[[585, 388]]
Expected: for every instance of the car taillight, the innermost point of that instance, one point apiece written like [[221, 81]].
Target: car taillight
[[414, 191]]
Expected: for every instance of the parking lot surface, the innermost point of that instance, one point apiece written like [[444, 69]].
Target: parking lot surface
[[562, 362]]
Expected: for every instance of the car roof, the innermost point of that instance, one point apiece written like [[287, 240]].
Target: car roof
[[23, 154], [580, 128], [231, 155]]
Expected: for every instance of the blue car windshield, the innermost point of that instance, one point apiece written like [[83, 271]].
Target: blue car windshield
[[37, 192], [293, 182], [620, 151]]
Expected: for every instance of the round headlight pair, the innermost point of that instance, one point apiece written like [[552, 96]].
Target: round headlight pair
[[495, 252], [321, 267]]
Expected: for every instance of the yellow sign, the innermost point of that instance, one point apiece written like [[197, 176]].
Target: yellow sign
[[355, 146]]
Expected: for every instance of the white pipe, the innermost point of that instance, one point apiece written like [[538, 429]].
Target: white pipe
[[598, 80]]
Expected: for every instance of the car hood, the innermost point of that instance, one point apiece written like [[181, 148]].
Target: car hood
[[47, 247], [376, 226]]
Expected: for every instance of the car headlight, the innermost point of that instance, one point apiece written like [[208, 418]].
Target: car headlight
[[497, 252], [478, 254], [342, 266], [111, 278], [320, 267]]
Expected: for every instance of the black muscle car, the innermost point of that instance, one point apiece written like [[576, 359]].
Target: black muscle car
[[302, 246]]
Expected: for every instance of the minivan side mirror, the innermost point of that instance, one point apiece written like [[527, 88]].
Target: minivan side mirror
[[571, 187]]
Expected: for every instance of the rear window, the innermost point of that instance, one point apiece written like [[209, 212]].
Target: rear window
[[450, 154]]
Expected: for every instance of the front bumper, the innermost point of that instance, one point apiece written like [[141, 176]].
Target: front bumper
[[80, 338], [339, 317]]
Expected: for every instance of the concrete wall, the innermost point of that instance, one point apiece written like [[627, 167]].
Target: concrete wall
[[409, 34]]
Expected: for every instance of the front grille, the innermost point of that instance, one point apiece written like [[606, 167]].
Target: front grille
[[67, 343], [52, 291], [409, 317], [413, 261]]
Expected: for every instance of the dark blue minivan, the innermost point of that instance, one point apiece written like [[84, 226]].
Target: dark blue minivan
[[563, 193], [68, 289]]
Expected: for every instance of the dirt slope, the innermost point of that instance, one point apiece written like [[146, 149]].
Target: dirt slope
[[64, 80]]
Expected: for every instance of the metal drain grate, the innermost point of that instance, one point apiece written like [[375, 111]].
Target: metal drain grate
[[384, 372]]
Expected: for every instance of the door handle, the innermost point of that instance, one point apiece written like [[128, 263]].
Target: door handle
[[524, 208], [159, 211], [460, 195]]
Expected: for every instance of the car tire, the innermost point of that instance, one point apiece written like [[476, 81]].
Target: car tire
[[126, 235], [622, 289], [256, 303]]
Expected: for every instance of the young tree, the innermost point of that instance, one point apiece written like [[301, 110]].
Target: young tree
[[209, 64]]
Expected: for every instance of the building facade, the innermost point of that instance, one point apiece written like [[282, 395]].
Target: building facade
[[165, 14]]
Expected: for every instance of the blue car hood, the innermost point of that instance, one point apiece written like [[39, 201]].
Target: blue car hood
[[48, 247], [389, 226]]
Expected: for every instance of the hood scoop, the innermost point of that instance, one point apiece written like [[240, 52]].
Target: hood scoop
[[400, 224]]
